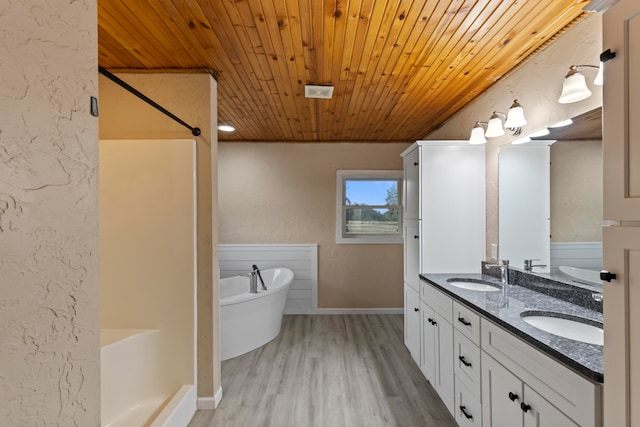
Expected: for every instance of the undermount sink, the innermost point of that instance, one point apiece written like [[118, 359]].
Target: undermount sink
[[565, 325], [474, 285]]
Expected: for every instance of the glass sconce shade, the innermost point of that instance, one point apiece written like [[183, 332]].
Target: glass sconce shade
[[515, 116], [494, 128], [600, 77], [477, 135], [574, 88]]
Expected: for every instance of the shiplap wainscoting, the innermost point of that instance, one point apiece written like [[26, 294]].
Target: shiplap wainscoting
[[576, 254], [302, 259]]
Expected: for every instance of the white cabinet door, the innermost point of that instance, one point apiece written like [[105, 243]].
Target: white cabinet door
[[412, 253], [621, 245], [621, 109], [412, 322], [429, 350], [502, 394], [437, 354], [444, 365], [540, 413], [412, 185], [622, 326]]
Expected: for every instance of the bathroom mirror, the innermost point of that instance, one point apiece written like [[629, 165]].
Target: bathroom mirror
[[562, 227]]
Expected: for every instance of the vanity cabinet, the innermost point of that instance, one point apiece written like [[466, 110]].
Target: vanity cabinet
[[437, 343], [412, 322], [514, 374], [509, 402]]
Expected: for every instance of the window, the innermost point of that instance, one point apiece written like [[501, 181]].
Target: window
[[369, 207]]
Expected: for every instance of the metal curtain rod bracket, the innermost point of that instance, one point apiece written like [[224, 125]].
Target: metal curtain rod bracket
[[194, 130]]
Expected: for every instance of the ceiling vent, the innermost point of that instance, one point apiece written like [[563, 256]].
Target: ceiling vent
[[316, 91]]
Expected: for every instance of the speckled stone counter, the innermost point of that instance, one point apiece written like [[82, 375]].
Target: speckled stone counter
[[585, 359]]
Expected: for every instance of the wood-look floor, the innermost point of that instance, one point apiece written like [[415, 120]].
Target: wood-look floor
[[328, 371]]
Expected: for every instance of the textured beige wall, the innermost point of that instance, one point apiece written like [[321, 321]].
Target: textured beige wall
[[193, 98], [537, 86], [576, 191], [286, 193], [147, 245], [49, 323]]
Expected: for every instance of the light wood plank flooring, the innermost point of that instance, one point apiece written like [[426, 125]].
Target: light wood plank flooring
[[328, 371]]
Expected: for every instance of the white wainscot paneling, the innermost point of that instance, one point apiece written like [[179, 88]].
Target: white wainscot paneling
[[237, 260]]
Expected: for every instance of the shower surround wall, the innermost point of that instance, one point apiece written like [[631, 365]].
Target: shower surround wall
[[49, 322], [193, 98]]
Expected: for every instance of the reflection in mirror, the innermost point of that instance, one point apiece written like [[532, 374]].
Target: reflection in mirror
[[575, 204], [523, 205], [576, 208]]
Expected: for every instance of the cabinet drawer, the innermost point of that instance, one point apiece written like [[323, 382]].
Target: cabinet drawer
[[468, 410], [467, 362], [440, 302], [467, 321]]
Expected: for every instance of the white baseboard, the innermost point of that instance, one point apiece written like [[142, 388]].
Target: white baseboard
[[210, 403], [206, 404], [360, 310], [218, 397]]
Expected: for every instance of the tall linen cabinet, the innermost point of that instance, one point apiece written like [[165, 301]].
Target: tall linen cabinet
[[621, 238], [444, 232]]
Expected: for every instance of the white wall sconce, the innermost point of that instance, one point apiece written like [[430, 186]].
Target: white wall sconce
[[514, 121], [574, 86], [477, 134]]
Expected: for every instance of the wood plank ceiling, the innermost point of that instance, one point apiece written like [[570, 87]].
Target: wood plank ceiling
[[399, 67]]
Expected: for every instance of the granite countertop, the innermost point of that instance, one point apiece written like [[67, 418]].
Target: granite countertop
[[584, 358]]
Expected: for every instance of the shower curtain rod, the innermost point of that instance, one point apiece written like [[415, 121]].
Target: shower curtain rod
[[194, 130]]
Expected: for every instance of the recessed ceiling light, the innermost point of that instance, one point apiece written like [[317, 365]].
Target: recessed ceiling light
[[226, 128], [562, 124], [318, 91]]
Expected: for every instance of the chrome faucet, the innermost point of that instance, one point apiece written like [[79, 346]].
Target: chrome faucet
[[504, 269], [253, 282], [528, 264]]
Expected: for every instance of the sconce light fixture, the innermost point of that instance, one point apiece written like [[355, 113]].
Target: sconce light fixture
[[574, 86], [513, 122], [477, 134]]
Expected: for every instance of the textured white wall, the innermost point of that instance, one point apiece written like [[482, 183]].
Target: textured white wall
[[49, 317], [537, 86]]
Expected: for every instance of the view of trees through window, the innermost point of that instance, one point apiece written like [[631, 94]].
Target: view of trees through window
[[372, 206]]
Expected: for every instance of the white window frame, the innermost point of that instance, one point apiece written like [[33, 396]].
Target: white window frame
[[341, 176]]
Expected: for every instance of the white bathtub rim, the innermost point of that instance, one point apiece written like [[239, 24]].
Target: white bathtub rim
[[111, 336], [283, 286]]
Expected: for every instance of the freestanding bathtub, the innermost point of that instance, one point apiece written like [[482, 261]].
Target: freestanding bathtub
[[249, 321]]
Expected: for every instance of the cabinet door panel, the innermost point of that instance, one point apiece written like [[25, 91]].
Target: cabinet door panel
[[621, 109], [411, 185], [444, 367], [412, 321], [543, 413], [502, 394], [428, 350], [622, 326], [412, 253]]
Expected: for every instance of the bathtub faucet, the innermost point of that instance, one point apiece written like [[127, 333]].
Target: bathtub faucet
[[257, 270], [253, 282]]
